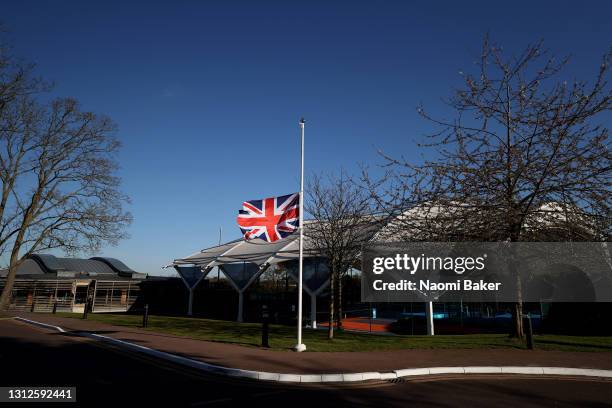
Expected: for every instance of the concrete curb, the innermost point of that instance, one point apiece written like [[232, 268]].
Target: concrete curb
[[44, 325], [335, 378]]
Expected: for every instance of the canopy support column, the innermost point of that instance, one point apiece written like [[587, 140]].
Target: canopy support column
[[240, 305], [313, 310], [190, 305], [190, 283], [430, 321]]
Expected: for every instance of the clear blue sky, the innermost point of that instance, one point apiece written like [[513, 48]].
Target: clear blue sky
[[207, 95]]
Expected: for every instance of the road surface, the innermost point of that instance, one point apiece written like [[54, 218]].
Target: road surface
[[107, 376]]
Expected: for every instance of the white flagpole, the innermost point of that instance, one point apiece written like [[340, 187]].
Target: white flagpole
[[301, 346]]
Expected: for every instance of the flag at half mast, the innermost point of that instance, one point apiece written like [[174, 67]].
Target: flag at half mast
[[270, 219]]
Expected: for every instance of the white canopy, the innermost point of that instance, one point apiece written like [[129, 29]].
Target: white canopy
[[256, 251]]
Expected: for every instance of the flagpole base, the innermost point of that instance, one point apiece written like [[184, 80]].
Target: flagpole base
[[299, 348]]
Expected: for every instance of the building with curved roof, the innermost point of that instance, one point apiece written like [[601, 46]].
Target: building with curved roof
[[45, 282]]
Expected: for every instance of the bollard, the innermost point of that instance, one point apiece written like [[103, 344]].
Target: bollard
[[55, 307], [265, 326], [145, 316], [85, 309], [529, 332]]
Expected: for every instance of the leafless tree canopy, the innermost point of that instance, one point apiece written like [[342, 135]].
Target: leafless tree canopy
[[341, 222], [57, 166], [340, 214], [524, 158]]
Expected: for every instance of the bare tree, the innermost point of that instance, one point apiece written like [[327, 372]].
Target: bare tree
[[17, 85], [57, 166], [341, 223], [523, 159]]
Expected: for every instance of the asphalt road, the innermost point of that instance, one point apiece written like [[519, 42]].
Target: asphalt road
[[107, 376]]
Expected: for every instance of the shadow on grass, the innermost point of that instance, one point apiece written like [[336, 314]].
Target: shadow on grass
[[574, 345], [282, 338]]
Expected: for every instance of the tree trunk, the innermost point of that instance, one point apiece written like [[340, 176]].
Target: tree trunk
[[14, 263], [330, 329], [5, 298], [339, 308], [517, 310], [517, 313]]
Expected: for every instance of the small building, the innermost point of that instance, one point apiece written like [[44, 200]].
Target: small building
[[43, 280]]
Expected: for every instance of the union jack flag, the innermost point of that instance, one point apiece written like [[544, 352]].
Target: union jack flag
[[270, 219]]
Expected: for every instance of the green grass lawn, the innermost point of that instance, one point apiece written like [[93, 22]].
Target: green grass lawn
[[283, 337]]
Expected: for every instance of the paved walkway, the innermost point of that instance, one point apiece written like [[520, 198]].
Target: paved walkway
[[257, 359]]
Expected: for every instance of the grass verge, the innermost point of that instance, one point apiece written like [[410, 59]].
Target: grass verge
[[283, 337]]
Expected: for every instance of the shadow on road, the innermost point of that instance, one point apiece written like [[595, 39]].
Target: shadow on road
[[106, 376]]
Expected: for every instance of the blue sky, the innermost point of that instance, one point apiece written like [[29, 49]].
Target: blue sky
[[207, 95]]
